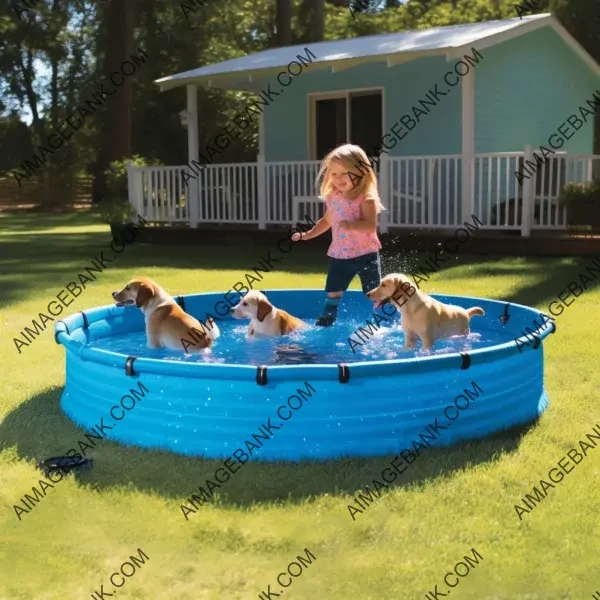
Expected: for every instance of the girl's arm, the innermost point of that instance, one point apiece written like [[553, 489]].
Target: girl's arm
[[322, 226], [368, 221]]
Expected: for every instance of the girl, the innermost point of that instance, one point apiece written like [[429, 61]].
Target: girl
[[352, 208]]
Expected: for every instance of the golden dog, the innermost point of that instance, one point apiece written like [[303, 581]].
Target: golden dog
[[265, 319], [167, 325], [422, 316]]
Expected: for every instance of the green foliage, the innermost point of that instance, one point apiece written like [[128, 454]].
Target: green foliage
[[16, 142], [49, 62], [577, 192], [116, 175], [580, 17], [115, 210]]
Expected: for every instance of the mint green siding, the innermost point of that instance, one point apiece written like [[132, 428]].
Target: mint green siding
[[438, 132], [525, 89], [528, 88]]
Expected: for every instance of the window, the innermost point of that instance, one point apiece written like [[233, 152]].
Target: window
[[331, 125], [354, 116]]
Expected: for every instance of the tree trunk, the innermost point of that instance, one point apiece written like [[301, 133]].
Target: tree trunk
[[284, 23], [53, 196], [312, 20], [318, 21], [115, 143]]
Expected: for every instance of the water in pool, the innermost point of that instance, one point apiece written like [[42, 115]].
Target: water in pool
[[311, 346]]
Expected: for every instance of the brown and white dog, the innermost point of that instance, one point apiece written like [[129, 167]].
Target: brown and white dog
[[422, 316], [167, 325], [265, 319]]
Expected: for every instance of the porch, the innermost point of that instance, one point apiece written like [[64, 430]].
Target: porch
[[425, 192]]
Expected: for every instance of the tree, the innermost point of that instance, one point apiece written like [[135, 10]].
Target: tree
[[284, 23], [312, 20], [115, 137]]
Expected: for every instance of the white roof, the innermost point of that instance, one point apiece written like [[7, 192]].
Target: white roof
[[239, 73]]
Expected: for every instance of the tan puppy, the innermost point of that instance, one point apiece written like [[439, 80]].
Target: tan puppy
[[265, 319], [167, 325], [422, 316]]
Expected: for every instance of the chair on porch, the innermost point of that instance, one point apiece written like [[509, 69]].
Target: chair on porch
[[410, 192], [307, 206]]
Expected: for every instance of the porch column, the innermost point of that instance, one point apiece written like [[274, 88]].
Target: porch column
[[193, 187], [384, 191], [261, 175], [528, 196], [132, 188], [468, 144]]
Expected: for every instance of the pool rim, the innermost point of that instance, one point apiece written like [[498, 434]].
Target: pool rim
[[137, 365]]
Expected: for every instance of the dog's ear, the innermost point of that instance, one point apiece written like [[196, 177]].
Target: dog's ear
[[144, 294], [397, 281], [264, 308]]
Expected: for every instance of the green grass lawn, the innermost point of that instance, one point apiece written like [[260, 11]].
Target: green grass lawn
[[449, 502]]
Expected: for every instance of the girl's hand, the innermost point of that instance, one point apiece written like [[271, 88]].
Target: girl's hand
[[345, 225], [298, 236]]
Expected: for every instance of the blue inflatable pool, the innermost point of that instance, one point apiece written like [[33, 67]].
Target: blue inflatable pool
[[317, 394]]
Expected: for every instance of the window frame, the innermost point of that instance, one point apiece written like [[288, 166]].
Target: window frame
[[314, 97]]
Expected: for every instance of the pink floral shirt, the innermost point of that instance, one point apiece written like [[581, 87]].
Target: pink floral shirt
[[349, 244]]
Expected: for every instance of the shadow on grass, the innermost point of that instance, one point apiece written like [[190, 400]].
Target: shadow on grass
[[548, 277], [548, 280], [36, 220], [38, 262], [39, 429]]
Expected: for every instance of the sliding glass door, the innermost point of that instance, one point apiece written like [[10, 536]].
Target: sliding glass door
[[353, 116]]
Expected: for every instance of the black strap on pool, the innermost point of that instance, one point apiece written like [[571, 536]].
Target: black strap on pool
[[466, 361], [261, 375], [505, 317], [86, 323], [550, 320], [181, 302], [56, 331], [129, 365], [343, 373]]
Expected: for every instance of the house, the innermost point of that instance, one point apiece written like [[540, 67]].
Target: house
[[488, 119]]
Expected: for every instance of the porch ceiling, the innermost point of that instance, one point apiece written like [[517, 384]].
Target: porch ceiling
[[248, 72]]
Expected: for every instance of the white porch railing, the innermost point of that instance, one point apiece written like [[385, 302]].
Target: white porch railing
[[419, 191], [424, 191]]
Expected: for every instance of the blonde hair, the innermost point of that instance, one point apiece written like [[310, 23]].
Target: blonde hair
[[355, 159]]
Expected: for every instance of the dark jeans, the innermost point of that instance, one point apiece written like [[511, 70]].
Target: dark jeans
[[343, 270]]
